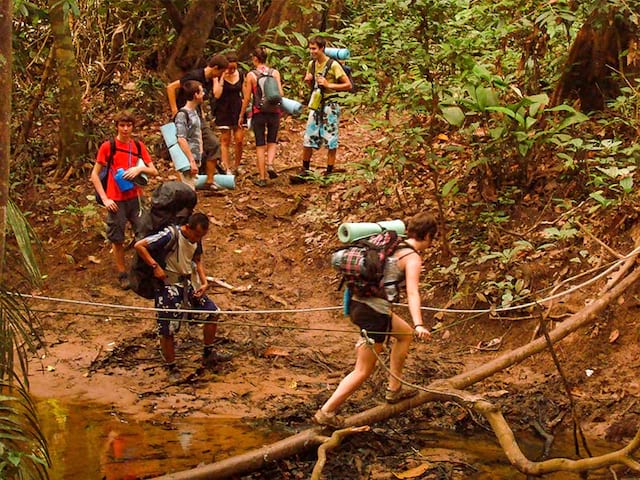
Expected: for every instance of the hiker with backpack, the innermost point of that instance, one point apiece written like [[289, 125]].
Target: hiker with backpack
[[121, 162], [189, 130], [370, 309], [263, 85], [177, 99], [227, 90], [326, 78], [175, 254]]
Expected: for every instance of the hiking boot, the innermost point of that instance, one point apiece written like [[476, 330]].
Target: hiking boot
[[123, 280], [328, 420], [272, 173], [220, 168], [394, 396], [260, 182], [301, 177], [173, 374], [214, 358]]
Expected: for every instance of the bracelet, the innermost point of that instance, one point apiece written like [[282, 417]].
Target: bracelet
[[418, 325]]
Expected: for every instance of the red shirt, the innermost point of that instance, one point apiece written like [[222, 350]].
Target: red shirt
[[125, 157]]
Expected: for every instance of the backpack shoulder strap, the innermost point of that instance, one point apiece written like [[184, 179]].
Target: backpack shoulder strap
[[328, 66], [186, 114], [404, 244], [138, 148], [112, 152]]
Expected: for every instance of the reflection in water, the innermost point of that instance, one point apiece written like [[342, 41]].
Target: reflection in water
[[90, 442], [483, 454]]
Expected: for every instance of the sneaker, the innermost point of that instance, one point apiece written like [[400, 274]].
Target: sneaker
[[272, 173], [260, 182], [123, 280], [301, 177], [220, 168], [215, 358], [328, 420], [394, 396]]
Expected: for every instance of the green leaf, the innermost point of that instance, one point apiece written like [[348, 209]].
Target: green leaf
[[572, 120], [627, 184], [486, 97], [450, 186], [453, 115]]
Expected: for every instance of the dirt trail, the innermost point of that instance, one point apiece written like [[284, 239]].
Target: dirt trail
[[272, 245]]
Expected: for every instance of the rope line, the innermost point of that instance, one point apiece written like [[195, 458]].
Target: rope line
[[612, 266]]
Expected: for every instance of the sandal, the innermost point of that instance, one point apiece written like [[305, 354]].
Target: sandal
[[328, 420], [394, 396]]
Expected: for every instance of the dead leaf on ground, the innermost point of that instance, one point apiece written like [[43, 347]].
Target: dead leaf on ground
[[93, 259], [275, 352], [614, 336], [414, 472]]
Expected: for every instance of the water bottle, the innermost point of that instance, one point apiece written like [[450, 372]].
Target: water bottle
[[336, 259], [316, 98]]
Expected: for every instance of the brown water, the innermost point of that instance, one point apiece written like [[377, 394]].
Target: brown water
[[89, 442]]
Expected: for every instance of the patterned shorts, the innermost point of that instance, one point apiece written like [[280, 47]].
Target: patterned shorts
[[323, 131], [172, 297]]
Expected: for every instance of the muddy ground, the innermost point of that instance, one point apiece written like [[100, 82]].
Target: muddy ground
[[268, 250]]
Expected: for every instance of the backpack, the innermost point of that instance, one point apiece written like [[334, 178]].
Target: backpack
[[347, 70], [104, 173], [267, 98], [171, 205], [362, 263]]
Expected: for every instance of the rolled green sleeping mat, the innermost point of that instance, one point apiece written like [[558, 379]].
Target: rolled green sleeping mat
[[350, 232]]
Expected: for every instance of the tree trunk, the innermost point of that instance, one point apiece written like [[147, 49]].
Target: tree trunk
[[71, 146], [6, 7], [595, 57], [310, 438], [296, 14], [174, 14], [189, 52]]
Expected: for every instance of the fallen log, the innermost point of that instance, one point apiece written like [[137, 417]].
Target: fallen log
[[310, 438]]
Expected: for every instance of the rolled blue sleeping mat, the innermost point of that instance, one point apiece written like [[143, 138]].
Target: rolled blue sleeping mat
[[292, 107], [168, 131], [350, 232], [180, 161], [337, 53]]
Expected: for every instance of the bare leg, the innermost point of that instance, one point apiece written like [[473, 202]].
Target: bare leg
[[168, 348], [238, 138], [225, 142], [307, 152], [272, 148], [261, 153], [365, 364], [331, 157], [210, 169], [399, 350], [209, 332], [118, 256]]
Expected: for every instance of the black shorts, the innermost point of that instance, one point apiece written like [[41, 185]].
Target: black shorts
[[265, 121], [370, 320]]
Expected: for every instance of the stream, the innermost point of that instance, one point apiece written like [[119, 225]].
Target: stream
[[88, 441]]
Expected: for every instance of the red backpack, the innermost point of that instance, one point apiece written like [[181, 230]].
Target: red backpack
[[362, 262]]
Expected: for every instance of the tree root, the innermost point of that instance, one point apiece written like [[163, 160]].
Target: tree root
[[331, 443]]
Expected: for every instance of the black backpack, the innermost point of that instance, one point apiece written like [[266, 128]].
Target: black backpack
[[346, 68], [267, 98], [104, 173], [171, 205]]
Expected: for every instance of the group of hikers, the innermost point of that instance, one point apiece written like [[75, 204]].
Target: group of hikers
[[175, 253]]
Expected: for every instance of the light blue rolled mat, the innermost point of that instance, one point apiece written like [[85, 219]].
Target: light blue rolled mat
[[180, 160], [292, 107], [350, 232], [169, 134], [337, 53]]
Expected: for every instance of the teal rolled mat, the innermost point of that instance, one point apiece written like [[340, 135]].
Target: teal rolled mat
[[292, 107], [350, 232]]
